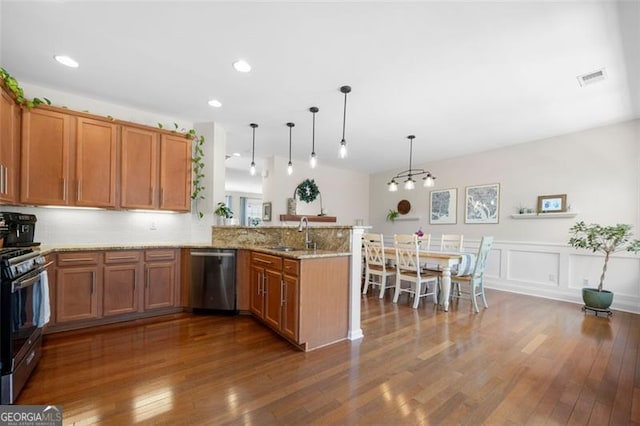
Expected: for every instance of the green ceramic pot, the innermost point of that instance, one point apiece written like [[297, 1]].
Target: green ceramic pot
[[597, 299]]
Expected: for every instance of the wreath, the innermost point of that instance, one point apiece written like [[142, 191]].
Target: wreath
[[308, 190]]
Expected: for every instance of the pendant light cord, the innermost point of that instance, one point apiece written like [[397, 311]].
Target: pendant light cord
[[313, 135], [344, 115], [253, 145]]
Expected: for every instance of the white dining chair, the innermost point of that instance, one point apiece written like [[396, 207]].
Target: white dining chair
[[475, 280], [376, 263], [409, 270]]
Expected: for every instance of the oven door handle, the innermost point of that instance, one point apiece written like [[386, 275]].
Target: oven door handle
[[31, 280]]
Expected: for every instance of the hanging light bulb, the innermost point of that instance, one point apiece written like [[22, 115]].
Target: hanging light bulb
[[313, 160], [393, 185], [410, 183], [429, 180], [252, 170], [290, 165], [343, 142]]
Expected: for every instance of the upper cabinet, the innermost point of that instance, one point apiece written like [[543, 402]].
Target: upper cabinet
[[46, 137], [9, 147], [156, 170], [68, 160], [74, 159]]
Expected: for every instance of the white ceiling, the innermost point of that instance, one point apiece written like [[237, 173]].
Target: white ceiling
[[461, 76]]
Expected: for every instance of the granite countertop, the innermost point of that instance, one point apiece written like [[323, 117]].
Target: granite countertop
[[294, 254]]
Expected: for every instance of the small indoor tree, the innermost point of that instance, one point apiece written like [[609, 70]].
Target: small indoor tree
[[604, 239]]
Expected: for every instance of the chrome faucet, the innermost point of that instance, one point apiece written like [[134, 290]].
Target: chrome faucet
[[304, 221]]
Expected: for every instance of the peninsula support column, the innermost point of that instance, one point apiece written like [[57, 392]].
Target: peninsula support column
[[355, 280]]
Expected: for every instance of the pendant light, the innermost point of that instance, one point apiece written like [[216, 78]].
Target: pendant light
[[313, 160], [343, 142], [410, 182], [252, 170], [290, 165]]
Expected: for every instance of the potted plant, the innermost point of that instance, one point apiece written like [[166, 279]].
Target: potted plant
[[223, 212], [392, 215], [607, 240]]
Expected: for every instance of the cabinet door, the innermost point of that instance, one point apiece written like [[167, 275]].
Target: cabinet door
[[289, 321], [139, 168], [160, 282], [273, 297], [175, 173], [256, 291], [120, 289], [76, 294], [45, 157], [9, 147], [95, 163]]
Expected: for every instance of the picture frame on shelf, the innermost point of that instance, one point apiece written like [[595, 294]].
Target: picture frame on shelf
[[552, 203], [482, 204], [266, 212], [443, 207]]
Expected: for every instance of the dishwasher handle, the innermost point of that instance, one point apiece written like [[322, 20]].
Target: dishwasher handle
[[211, 254]]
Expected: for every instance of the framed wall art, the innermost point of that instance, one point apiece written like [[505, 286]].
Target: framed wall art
[[266, 212], [443, 207], [482, 203], [552, 203]]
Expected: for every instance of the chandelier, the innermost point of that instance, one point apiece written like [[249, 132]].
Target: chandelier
[[410, 173]]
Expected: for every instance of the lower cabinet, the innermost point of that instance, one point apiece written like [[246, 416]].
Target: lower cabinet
[[303, 300], [274, 294], [104, 286], [121, 282], [160, 278]]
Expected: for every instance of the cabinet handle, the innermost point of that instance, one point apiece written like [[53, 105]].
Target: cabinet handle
[[151, 195], [264, 284], [2, 179], [146, 281], [78, 259], [122, 258], [160, 256], [79, 191], [161, 197], [64, 189], [6, 180], [283, 292], [259, 286], [268, 262]]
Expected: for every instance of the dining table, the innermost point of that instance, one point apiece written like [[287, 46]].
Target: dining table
[[446, 261]]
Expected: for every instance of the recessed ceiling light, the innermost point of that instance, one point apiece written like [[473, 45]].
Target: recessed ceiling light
[[236, 154], [65, 60], [242, 66], [215, 103]]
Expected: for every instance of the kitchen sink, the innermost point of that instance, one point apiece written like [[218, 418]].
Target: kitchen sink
[[284, 248]]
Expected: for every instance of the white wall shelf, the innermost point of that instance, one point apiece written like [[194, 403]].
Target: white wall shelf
[[407, 218], [543, 215]]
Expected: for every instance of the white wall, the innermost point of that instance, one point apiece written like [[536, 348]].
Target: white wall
[[598, 169], [73, 226], [345, 194]]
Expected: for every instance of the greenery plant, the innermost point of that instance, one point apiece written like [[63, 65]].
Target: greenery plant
[[604, 239], [392, 215], [12, 84], [223, 211]]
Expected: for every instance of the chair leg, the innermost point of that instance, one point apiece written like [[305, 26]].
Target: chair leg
[[484, 299], [367, 277], [473, 296], [416, 296], [396, 296], [383, 286], [435, 293]]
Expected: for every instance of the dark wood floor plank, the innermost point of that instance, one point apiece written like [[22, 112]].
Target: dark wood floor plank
[[522, 361]]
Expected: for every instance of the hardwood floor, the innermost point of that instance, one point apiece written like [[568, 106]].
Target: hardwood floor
[[524, 360]]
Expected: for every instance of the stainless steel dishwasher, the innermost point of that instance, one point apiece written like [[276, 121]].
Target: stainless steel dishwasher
[[213, 280]]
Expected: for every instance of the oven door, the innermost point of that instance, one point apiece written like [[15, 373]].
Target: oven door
[[18, 320]]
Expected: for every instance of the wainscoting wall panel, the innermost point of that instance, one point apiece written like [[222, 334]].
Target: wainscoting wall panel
[[526, 268]]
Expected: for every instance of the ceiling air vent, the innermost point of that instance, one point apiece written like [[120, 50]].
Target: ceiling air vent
[[592, 77]]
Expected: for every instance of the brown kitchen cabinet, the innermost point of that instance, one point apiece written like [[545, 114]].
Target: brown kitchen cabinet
[[121, 282], [303, 300], [68, 159], [10, 120], [156, 170], [78, 286], [161, 280]]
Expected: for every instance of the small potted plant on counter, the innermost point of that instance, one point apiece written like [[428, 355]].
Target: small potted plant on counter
[[224, 213], [607, 240]]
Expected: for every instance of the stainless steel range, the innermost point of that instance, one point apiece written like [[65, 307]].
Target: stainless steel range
[[24, 309]]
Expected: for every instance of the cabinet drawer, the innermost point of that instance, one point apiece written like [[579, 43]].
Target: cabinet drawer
[[159, 254], [122, 256], [78, 258], [266, 261], [291, 267]]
